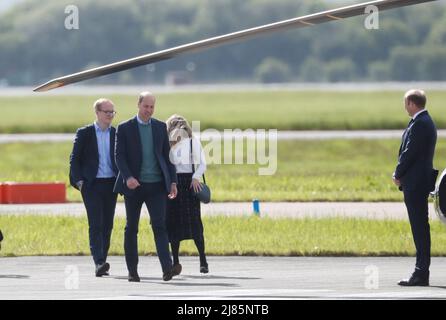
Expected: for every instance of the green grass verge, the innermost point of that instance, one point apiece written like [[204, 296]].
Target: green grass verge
[[296, 110], [54, 235], [335, 170]]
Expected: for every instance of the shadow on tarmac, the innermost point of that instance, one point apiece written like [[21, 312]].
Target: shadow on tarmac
[[13, 276]]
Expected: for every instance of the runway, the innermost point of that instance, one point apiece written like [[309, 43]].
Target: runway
[[239, 278], [274, 210], [282, 135]]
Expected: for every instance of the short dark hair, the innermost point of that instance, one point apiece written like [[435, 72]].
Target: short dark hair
[[144, 94], [417, 97]]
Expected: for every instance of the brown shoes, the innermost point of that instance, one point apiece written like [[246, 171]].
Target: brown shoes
[[176, 269]]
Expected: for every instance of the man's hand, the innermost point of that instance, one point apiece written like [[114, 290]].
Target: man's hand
[[132, 183], [80, 184], [173, 191], [396, 181]]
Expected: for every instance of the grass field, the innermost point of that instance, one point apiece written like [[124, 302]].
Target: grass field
[[45, 235], [282, 110], [335, 170]]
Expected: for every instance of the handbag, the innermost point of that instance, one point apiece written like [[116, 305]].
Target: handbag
[[204, 195]]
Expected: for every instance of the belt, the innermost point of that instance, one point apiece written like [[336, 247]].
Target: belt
[[105, 179]]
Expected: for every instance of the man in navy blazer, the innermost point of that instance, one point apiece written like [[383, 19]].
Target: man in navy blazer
[[146, 175], [415, 176], [93, 172]]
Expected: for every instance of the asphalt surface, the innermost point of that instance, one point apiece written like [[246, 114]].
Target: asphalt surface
[[368, 210], [281, 135], [251, 278]]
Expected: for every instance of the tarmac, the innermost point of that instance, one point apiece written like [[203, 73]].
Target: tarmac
[[212, 135], [230, 278], [274, 210]]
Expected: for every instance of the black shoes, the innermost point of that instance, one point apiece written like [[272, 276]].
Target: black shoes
[[168, 274], [134, 277], [204, 268], [415, 281], [102, 269], [176, 269]]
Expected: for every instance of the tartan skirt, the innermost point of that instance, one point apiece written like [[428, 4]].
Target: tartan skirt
[[183, 214]]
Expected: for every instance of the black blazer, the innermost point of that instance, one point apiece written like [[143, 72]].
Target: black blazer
[[129, 154], [84, 159], [415, 162]]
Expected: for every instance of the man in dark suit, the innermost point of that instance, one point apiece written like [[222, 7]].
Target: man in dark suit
[[93, 172], [146, 175], [415, 176]]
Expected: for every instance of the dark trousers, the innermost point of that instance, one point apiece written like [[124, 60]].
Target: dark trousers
[[155, 197], [100, 202], [417, 207]]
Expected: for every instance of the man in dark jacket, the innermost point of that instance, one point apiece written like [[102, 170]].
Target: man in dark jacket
[[93, 172], [146, 175], [415, 176]]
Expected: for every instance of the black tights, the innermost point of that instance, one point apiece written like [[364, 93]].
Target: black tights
[[175, 245]]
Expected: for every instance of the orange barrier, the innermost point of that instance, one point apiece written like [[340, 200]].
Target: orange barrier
[[18, 192]]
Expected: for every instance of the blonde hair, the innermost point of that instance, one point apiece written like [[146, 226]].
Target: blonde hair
[[177, 129], [98, 103]]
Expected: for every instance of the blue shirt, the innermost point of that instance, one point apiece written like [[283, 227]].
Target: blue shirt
[[140, 121], [105, 169]]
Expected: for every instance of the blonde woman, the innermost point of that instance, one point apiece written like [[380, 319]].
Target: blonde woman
[[183, 216]]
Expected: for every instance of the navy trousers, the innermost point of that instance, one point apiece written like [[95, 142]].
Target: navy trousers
[[155, 197], [100, 203], [417, 207]]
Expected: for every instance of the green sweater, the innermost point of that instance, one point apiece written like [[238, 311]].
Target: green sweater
[[150, 169]]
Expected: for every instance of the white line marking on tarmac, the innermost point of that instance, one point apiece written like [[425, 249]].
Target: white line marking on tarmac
[[281, 294], [226, 294], [426, 294]]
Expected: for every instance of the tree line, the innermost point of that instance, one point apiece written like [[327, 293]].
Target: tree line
[[35, 44]]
